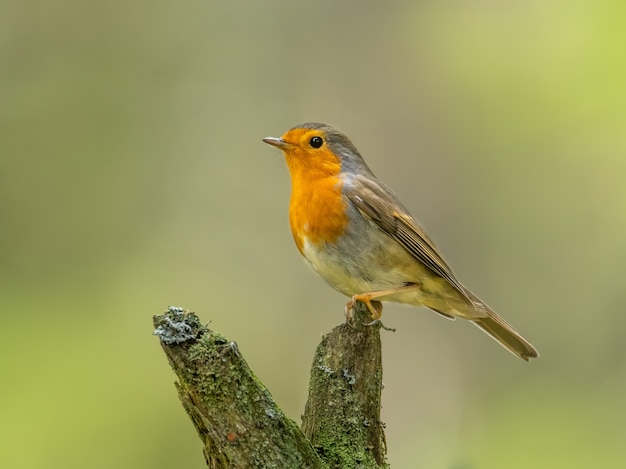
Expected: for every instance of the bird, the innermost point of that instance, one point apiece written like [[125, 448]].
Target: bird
[[357, 235]]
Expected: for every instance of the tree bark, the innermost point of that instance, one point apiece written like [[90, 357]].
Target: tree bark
[[342, 414], [238, 421]]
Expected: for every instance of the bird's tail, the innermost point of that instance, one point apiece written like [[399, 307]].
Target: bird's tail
[[505, 335], [501, 331]]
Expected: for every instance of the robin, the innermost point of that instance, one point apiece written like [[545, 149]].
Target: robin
[[362, 241]]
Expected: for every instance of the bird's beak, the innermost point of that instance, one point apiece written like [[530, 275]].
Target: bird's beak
[[277, 142]]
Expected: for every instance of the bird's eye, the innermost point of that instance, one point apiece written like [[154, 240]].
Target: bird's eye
[[316, 142]]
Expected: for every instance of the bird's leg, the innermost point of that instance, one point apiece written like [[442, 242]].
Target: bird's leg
[[373, 306], [366, 299]]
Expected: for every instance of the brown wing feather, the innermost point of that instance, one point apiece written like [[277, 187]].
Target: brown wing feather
[[380, 205]]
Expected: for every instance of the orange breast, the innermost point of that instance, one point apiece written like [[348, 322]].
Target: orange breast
[[317, 212]]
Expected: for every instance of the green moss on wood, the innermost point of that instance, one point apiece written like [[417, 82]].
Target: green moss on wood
[[234, 414], [342, 415]]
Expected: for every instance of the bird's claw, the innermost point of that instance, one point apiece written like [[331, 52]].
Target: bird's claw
[[379, 323]]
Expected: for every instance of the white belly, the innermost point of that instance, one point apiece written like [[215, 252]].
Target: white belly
[[361, 273]]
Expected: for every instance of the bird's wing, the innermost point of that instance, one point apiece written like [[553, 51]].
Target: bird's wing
[[377, 203]]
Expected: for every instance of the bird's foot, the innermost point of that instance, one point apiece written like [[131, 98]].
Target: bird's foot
[[379, 323], [375, 308]]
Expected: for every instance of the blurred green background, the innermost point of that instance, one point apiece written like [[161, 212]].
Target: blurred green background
[[133, 176]]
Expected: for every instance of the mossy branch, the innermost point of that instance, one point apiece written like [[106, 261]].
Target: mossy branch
[[238, 421], [342, 414]]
